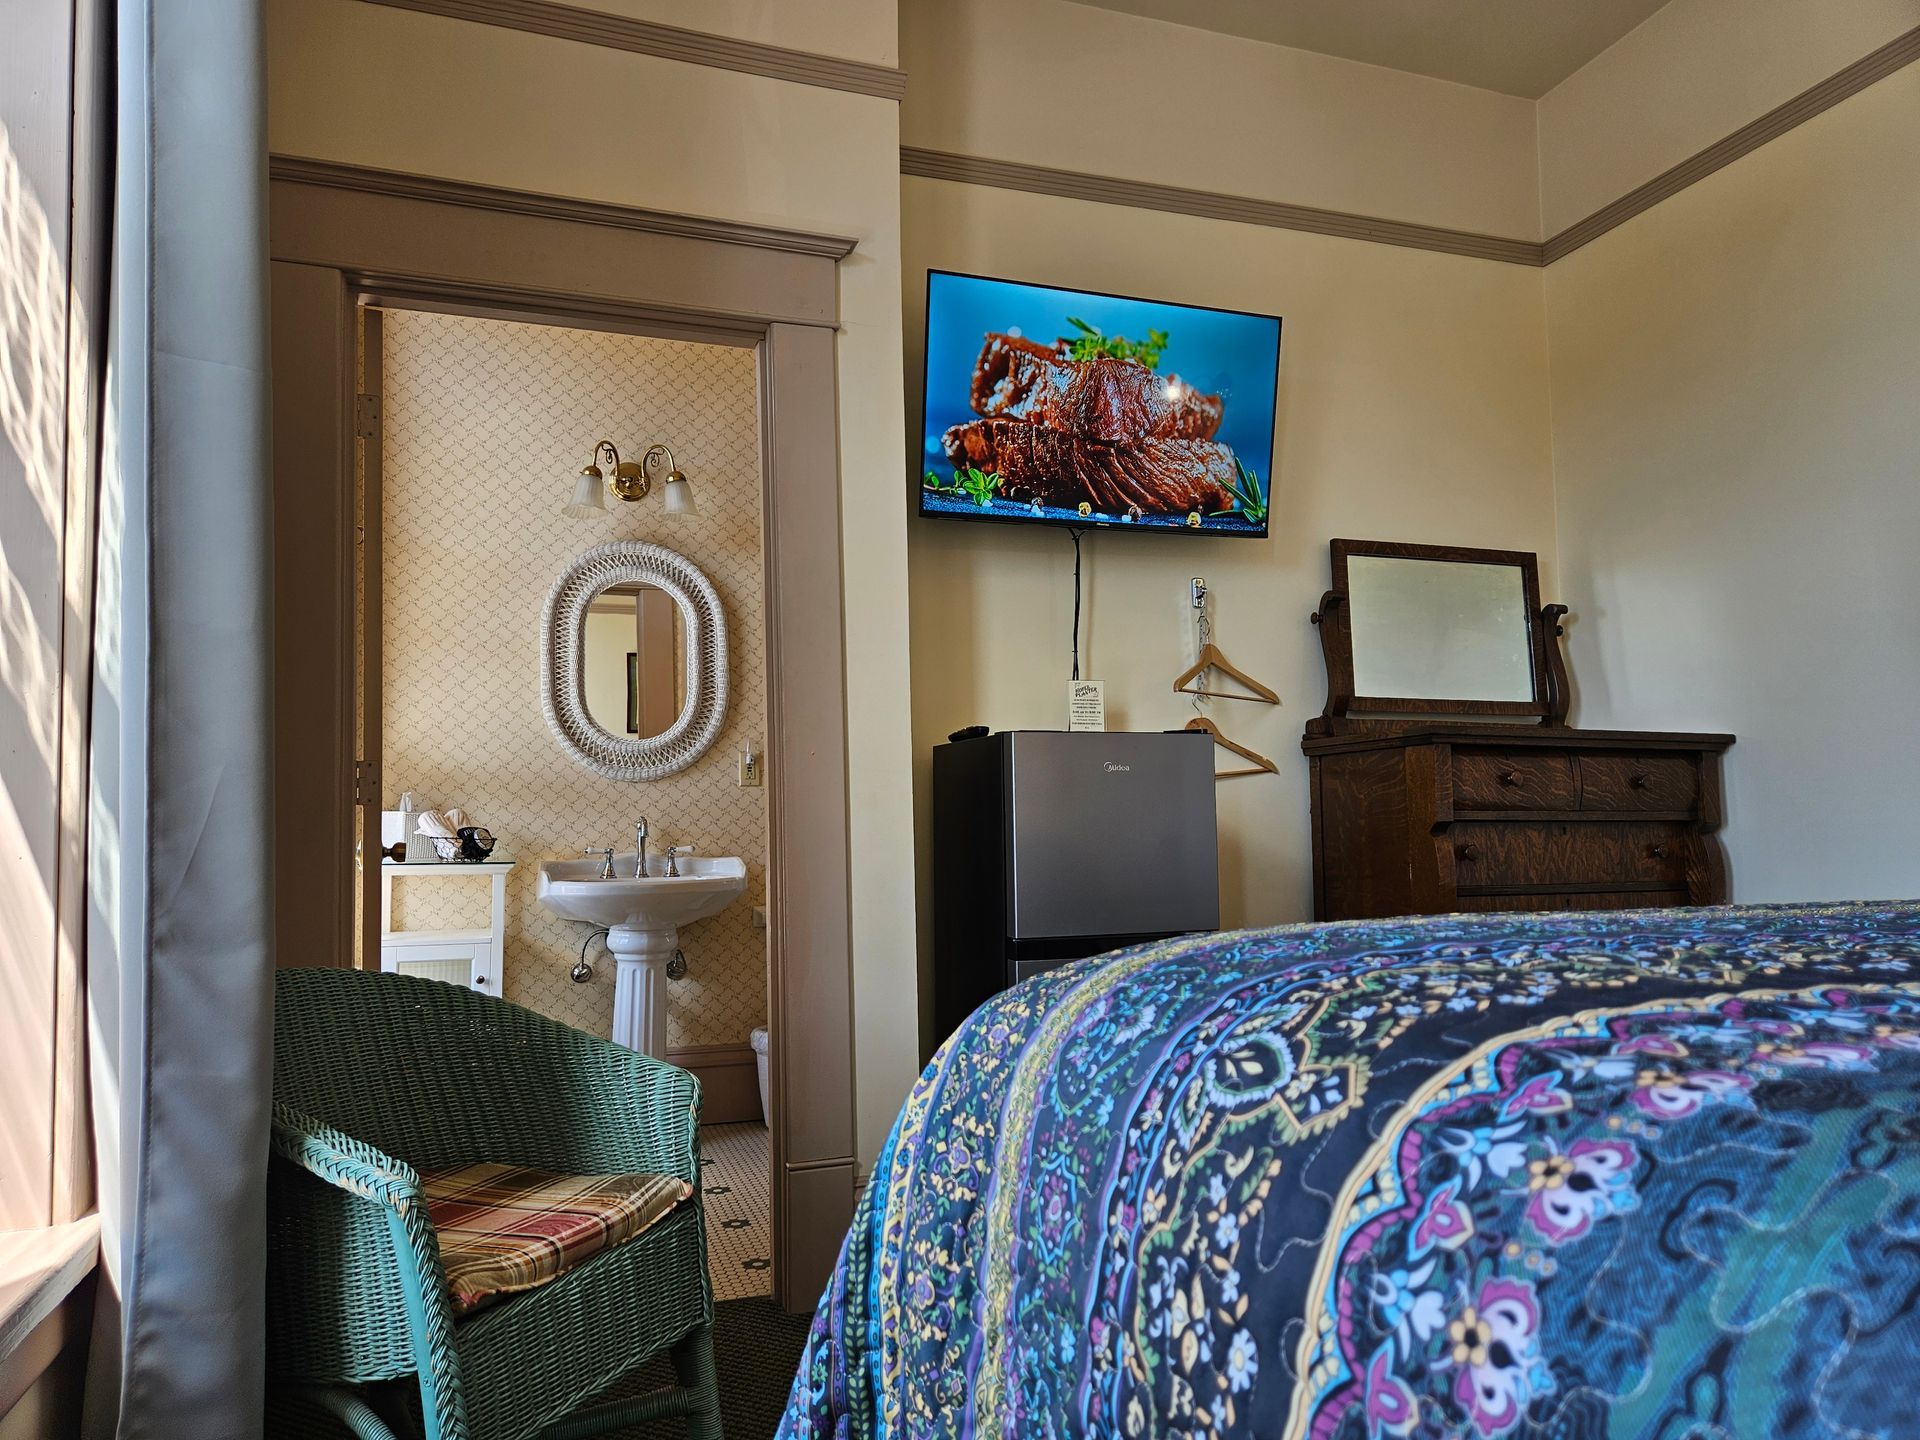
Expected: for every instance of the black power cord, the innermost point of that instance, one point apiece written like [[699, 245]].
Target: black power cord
[[1076, 533]]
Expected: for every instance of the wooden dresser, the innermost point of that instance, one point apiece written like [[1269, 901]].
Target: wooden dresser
[[1511, 817], [1471, 808]]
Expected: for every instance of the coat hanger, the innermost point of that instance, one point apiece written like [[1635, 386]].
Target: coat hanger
[[1261, 764], [1211, 658]]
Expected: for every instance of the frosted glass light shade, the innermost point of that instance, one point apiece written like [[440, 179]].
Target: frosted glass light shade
[[589, 497], [678, 496]]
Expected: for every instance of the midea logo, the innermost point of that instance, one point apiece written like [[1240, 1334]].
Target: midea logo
[[1113, 765]]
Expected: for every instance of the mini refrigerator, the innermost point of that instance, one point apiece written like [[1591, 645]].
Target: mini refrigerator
[[1053, 845]]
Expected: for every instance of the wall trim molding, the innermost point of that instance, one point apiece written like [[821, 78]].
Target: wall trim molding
[[1876, 65], [1208, 204], [926, 164], [334, 175], [729, 1079], [669, 42], [646, 37]]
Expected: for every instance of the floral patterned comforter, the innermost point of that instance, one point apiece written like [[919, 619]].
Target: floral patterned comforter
[[1645, 1174]]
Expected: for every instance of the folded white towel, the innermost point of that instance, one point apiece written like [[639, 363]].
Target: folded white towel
[[440, 822], [443, 828]]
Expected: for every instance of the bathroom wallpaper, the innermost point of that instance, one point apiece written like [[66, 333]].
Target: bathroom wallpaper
[[486, 424]]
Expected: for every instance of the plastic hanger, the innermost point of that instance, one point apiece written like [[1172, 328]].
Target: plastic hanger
[[1261, 764], [1211, 658]]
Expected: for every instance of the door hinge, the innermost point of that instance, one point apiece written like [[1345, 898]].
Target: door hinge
[[366, 782], [366, 416]]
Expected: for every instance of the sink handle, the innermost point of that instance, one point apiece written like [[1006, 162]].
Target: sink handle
[[674, 852], [605, 852]]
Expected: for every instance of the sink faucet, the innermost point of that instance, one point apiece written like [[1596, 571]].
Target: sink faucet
[[605, 852], [640, 848]]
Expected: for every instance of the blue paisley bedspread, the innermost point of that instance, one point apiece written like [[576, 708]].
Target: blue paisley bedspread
[[1645, 1174]]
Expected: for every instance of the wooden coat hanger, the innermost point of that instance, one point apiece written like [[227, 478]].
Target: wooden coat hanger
[[1261, 764], [1211, 658]]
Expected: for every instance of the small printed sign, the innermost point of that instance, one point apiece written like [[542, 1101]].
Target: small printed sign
[[1086, 705]]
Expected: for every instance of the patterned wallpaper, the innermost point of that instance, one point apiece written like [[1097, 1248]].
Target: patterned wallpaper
[[486, 425]]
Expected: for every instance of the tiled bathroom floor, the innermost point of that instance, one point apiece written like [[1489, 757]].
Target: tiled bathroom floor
[[733, 1181]]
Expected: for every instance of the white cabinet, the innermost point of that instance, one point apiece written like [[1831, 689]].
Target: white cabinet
[[474, 958]]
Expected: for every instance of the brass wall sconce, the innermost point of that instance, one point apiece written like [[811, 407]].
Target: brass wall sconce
[[629, 481]]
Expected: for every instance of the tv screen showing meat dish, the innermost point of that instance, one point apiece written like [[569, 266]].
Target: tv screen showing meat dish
[[1066, 407]]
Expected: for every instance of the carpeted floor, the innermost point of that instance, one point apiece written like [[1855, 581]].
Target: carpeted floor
[[756, 1348]]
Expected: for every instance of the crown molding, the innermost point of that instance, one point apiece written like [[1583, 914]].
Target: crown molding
[[645, 37], [1209, 204], [332, 175], [668, 42], [1895, 55], [1216, 205]]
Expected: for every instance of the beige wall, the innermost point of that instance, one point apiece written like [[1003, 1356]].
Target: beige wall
[[379, 86], [485, 424], [1414, 395], [1081, 88], [1413, 386], [1696, 71], [1412, 406], [1737, 448]]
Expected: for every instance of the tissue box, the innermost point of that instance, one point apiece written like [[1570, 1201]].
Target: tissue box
[[397, 826]]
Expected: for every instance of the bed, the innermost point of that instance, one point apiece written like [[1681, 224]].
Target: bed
[[1652, 1173]]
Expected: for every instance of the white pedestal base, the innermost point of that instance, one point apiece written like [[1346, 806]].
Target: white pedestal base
[[640, 986]]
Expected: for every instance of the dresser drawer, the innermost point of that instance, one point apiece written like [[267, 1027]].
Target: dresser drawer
[[1512, 780], [1545, 854], [1638, 782], [1573, 900]]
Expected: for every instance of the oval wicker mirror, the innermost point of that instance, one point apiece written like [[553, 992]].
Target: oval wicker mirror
[[702, 636]]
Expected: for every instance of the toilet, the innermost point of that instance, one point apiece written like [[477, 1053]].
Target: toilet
[[759, 1042]]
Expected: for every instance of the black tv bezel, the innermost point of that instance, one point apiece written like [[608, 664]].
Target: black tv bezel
[[916, 476]]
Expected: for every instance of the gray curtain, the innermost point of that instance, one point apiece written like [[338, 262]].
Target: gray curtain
[[179, 956]]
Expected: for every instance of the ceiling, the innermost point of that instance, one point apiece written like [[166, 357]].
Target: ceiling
[[1518, 47]]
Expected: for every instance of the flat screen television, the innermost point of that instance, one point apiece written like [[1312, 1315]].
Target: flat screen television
[[1068, 407]]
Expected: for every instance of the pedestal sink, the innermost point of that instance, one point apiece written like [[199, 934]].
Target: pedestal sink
[[643, 919]]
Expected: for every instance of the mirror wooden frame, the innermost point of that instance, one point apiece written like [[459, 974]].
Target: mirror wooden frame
[[1345, 710]]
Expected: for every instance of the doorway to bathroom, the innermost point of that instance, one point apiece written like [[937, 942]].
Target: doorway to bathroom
[[470, 485], [442, 275]]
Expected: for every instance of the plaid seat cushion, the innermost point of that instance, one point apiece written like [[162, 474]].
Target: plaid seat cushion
[[505, 1228]]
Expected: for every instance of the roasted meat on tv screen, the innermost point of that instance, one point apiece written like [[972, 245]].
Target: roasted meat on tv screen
[[1071, 408]]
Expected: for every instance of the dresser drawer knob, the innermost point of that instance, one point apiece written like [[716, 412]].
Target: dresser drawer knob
[[1468, 851], [1639, 780], [1510, 777], [1658, 852]]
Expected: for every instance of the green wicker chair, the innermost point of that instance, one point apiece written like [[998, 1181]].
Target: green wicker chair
[[377, 1077]]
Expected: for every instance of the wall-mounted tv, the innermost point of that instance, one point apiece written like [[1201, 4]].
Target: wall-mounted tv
[[1068, 407]]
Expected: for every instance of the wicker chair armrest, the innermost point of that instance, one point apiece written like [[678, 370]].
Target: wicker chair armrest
[[339, 1159], [367, 1174]]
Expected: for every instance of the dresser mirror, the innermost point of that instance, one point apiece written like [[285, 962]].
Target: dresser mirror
[[1419, 630]]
